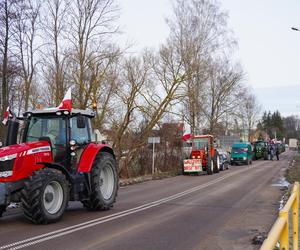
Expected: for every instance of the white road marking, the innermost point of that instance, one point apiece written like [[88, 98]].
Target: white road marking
[[71, 229]]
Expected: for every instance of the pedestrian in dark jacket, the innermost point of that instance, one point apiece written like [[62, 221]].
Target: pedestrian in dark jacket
[[277, 152]]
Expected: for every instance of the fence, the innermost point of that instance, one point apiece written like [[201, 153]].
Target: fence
[[280, 230]]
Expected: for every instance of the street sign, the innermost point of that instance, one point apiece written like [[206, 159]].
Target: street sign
[[153, 140]]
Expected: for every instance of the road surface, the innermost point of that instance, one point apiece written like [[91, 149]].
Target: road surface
[[221, 211]]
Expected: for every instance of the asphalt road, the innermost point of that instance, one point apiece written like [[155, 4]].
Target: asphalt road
[[222, 211]]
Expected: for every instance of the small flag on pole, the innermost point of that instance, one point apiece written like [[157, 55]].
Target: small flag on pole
[[7, 114], [185, 137], [67, 101]]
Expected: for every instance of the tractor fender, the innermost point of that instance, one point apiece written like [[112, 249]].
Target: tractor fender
[[58, 167], [88, 156]]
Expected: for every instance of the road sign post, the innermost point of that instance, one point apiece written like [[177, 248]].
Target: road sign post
[[153, 140]]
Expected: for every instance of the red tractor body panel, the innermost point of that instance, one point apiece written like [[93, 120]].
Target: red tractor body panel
[[88, 156], [22, 159]]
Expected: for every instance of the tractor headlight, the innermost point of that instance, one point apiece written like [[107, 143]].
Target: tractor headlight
[[58, 112], [72, 142], [66, 112], [244, 158], [73, 145]]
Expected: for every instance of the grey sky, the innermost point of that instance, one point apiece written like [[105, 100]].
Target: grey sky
[[268, 49]]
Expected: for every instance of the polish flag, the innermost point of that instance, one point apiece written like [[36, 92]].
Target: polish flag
[[67, 101], [6, 115], [185, 137]]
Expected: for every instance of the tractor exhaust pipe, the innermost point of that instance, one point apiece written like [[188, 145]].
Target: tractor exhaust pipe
[[12, 132]]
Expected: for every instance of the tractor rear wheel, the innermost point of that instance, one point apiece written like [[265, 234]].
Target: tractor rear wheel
[[2, 210], [45, 196], [216, 163], [104, 183]]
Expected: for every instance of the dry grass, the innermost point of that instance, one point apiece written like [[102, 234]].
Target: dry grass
[[293, 172]]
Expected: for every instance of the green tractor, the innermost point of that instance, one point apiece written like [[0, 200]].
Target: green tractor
[[260, 150]]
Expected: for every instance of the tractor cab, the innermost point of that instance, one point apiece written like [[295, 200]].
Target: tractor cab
[[203, 155], [64, 131]]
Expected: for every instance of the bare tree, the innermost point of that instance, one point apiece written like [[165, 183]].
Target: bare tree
[[92, 23], [55, 21], [7, 17], [27, 48], [163, 89], [133, 82], [249, 111], [222, 92], [199, 31]]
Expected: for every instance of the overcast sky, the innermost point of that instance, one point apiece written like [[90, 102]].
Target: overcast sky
[[268, 49]]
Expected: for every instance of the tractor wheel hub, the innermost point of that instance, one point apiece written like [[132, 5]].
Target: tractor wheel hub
[[49, 197]]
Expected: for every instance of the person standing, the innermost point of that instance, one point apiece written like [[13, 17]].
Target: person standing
[[277, 152], [272, 152]]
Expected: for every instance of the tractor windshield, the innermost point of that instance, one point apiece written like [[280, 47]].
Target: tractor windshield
[[200, 143], [45, 126]]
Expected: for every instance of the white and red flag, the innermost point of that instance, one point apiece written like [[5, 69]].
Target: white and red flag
[[7, 113], [67, 101], [185, 137]]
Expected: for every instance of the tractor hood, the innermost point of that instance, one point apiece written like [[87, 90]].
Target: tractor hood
[[16, 161], [13, 150]]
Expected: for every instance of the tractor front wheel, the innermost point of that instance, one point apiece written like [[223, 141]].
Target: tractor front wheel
[[210, 167], [45, 196], [104, 183]]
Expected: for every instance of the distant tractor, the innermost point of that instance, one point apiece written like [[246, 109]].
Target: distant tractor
[[260, 150], [57, 161], [204, 156]]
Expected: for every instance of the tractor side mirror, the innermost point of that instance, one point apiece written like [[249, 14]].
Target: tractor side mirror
[[99, 138], [81, 121]]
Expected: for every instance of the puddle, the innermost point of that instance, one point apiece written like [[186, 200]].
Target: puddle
[[284, 185], [281, 183]]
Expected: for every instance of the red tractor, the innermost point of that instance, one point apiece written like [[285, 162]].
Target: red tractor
[[56, 162], [204, 156]]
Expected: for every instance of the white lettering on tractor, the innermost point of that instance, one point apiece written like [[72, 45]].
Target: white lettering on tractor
[[6, 174]]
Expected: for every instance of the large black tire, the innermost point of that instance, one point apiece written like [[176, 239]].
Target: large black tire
[[209, 166], [2, 210], [45, 196], [103, 193], [216, 163]]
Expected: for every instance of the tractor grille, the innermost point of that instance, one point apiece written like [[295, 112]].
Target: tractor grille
[[7, 165]]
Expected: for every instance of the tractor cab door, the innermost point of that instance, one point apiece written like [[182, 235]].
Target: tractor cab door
[[52, 129], [81, 132]]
